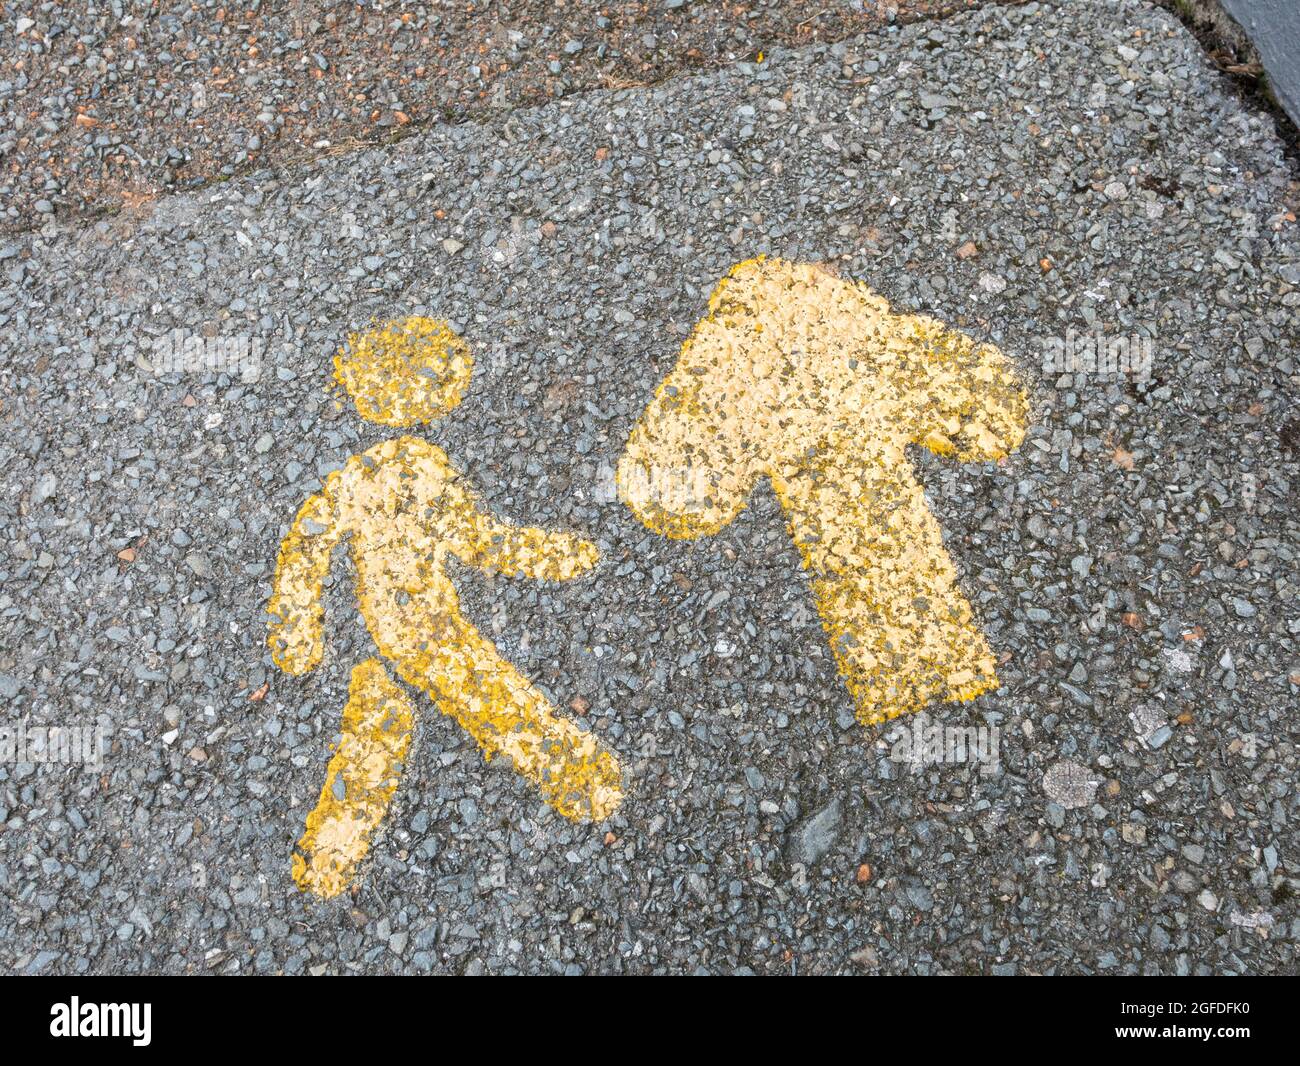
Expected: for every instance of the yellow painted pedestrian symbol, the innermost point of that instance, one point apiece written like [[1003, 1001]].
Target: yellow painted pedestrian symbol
[[406, 513], [817, 385]]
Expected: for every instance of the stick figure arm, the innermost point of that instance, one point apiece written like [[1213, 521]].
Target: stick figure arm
[[295, 607], [490, 544], [540, 554]]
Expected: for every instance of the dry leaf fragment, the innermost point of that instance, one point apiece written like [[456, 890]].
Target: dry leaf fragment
[[967, 250], [260, 694]]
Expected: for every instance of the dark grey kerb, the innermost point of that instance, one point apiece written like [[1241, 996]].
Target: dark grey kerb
[[1273, 26]]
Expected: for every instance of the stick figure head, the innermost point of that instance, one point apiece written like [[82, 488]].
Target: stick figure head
[[404, 372]]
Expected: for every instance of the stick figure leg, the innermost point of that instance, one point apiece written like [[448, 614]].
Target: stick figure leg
[[359, 782], [470, 681]]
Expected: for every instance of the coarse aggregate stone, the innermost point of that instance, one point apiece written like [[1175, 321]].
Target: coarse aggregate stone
[[107, 104], [1019, 172]]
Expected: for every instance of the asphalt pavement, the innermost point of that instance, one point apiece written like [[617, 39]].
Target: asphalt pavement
[[1034, 176]]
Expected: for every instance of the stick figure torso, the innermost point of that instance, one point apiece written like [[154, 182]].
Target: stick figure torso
[[406, 512]]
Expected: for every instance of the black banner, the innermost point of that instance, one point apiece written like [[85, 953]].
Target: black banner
[[141, 1015]]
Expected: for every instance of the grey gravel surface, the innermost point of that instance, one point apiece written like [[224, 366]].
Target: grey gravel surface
[[1020, 172], [109, 104]]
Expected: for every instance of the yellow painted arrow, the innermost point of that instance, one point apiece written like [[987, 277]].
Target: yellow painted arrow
[[817, 385]]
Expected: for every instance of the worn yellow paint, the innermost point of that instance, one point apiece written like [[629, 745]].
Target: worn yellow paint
[[817, 385], [407, 513], [405, 372], [359, 782]]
